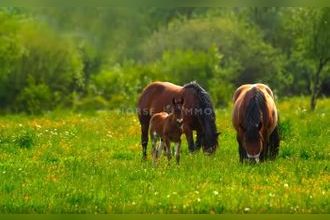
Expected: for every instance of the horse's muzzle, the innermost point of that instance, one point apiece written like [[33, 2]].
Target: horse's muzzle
[[255, 157], [209, 151]]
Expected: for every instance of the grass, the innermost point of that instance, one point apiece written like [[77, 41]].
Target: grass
[[77, 163]]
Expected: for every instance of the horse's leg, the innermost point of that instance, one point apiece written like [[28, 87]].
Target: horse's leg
[[241, 151], [190, 139], [274, 143], [199, 140], [144, 121], [154, 148], [177, 151], [168, 149], [160, 148], [264, 154], [163, 147]]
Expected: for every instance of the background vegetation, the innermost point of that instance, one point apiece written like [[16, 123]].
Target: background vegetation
[[101, 58]]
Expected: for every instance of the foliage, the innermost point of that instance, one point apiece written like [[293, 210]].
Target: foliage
[[26, 139], [35, 98], [94, 58], [310, 56], [246, 57], [51, 62]]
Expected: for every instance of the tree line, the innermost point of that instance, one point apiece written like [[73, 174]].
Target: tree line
[[101, 58]]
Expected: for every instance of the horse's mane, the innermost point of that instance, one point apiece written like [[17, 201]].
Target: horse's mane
[[207, 116], [255, 111]]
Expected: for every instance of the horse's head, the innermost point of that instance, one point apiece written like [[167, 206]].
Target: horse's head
[[177, 110], [253, 140], [211, 144]]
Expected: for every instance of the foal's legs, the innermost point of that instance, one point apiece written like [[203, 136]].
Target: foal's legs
[[168, 149], [154, 147], [160, 148], [177, 151]]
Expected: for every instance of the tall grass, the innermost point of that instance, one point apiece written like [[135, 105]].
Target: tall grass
[[76, 163]]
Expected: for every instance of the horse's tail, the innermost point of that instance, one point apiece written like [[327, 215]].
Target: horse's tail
[[206, 115]]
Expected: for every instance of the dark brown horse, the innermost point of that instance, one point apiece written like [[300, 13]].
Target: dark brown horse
[[198, 113], [166, 128], [255, 119]]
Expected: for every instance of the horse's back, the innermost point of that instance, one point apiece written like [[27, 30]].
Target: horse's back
[[148, 92], [240, 97], [157, 122], [243, 89], [270, 102], [157, 95], [160, 116]]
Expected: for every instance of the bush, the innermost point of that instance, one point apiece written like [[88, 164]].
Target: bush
[[221, 92], [183, 66], [34, 99], [36, 63], [26, 139], [91, 104], [247, 58]]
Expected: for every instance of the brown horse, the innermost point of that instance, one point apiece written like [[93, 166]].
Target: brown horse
[[198, 113], [167, 128], [255, 119]]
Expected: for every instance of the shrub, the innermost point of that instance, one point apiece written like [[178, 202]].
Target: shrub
[[91, 103], [34, 99], [26, 139]]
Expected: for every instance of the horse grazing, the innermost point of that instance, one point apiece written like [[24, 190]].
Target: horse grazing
[[255, 120], [167, 128], [198, 113]]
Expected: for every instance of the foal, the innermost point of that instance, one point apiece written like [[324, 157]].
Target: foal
[[167, 128]]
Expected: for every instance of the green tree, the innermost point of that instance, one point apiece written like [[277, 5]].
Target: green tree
[[312, 26], [11, 52], [246, 58], [31, 51]]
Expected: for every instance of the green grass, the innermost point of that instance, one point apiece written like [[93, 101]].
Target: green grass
[[78, 163]]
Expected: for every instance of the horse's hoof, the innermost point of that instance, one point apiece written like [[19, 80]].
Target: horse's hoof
[[209, 153], [193, 151]]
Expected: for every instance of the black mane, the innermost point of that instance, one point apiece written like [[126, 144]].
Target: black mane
[[205, 115], [255, 112]]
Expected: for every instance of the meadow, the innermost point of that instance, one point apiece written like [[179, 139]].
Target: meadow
[[70, 162]]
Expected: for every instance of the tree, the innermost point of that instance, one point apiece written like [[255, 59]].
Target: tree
[[312, 27], [247, 58], [318, 48]]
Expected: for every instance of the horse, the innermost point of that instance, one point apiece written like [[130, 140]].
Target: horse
[[167, 128], [198, 113], [255, 119]]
